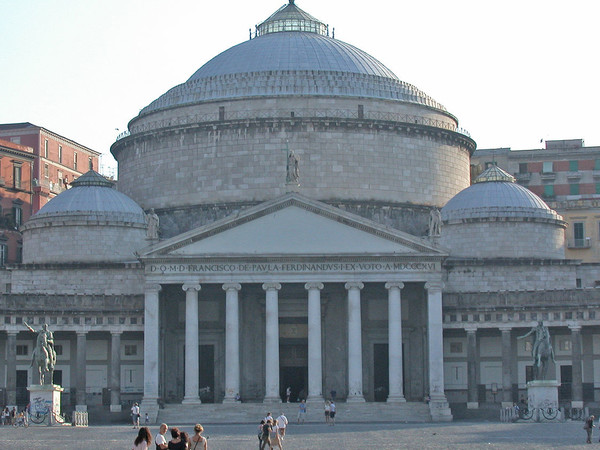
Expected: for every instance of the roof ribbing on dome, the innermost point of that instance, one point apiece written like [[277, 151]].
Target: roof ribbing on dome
[[91, 197], [495, 195], [291, 18]]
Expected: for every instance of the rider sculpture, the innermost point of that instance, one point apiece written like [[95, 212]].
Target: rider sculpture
[[44, 355], [541, 350]]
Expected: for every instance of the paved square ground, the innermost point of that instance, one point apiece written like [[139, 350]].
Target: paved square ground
[[320, 436]]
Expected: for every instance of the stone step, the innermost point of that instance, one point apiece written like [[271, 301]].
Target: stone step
[[178, 414]]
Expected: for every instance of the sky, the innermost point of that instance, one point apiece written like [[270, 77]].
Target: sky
[[514, 72]]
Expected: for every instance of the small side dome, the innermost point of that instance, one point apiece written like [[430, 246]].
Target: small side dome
[[91, 222], [498, 218]]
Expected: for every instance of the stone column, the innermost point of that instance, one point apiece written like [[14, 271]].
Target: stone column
[[506, 368], [315, 363], [115, 371], [438, 404], [577, 385], [191, 345], [396, 391], [472, 402], [151, 349], [272, 342], [11, 368], [81, 375], [232, 341], [355, 379]]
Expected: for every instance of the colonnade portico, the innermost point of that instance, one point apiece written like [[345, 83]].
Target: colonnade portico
[[315, 382]]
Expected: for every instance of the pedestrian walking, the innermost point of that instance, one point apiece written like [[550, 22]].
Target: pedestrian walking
[[327, 411], [332, 412], [589, 428], [282, 422], [135, 415], [302, 411], [266, 431]]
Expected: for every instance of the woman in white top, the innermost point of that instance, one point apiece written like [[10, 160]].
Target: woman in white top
[[198, 442], [275, 440], [143, 439]]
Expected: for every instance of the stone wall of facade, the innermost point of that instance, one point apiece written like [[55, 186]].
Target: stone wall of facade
[[68, 279], [502, 275], [81, 241], [340, 158], [504, 239]]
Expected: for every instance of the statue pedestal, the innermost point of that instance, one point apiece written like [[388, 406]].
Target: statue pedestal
[[44, 401], [542, 399]]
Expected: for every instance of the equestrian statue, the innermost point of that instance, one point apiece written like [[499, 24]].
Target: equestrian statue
[[541, 350], [44, 354]]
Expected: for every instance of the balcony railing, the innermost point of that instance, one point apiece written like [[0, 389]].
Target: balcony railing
[[579, 243]]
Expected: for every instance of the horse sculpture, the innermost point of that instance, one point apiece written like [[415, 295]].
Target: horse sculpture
[[44, 355], [541, 350], [543, 354]]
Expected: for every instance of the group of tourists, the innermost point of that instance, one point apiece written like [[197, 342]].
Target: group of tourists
[[271, 432], [14, 417], [330, 412], [180, 440]]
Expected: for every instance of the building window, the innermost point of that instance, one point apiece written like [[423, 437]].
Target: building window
[[75, 160], [17, 214], [547, 167], [573, 166], [523, 168], [22, 350], [58, 349], [574, 189], [456, 347], [564, 345], [15, 140], [45, 148], [221, 113], [3, 254], [578, 283], [17, 176], [90, 163], [548, 190], [60, 154], [578, 234], [46, 171], [130, 350], [19, 252], [597, 164], [361, 111]]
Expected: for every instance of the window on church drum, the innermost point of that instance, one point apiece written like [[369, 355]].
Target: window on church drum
[[547, 167], [548, 190], [58, 348], [578, 234], [573, 189], [573, 166], [130, 350], [22, 350], [523, 168]]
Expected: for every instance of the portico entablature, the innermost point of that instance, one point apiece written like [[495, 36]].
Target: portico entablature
[[293, 239]]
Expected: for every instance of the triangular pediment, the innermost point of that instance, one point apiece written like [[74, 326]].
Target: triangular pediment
[[292, 225]]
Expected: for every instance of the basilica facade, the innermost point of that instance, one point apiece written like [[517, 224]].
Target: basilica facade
[[295, 215]]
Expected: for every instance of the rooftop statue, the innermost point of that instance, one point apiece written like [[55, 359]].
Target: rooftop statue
[[541, 350], [435, 222], [153, 223], [44, 355]]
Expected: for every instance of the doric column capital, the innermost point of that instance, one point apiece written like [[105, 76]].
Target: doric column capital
[[394, 285], [575, 327], [191, 287], [354, 285], [271, 286], [81, 333], [505, 329], [12, 333], [434, 285], [116, 333], [232, 286], [152, 287], [470, 329], [314, 285]]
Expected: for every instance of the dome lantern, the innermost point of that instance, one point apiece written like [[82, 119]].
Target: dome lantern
[[291, 18]]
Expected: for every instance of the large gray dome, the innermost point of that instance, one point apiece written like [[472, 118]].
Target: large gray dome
[[291, 55], [92, 197]]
